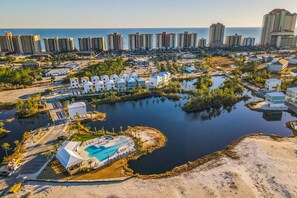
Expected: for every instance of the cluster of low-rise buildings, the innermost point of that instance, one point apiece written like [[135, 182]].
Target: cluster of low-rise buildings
[[121, 83]]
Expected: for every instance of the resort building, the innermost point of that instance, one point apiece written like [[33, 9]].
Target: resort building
[[187, 40], [95, 79], [165, 40], [124, 76], [155, 81], [30, 44], [84, 80], [77, 109], [277, 65], [268, 58], [57, 72], [233, 40], [121, 85], [216, 35], [140, 41], [88, 87], [273, 84], [141, 82], [133, 75], [68, 156], [32, 64], [110, 85], [104, 78], [115, 41], [131, 84], [202, 43], [99, 86], [248, 42], [278, 29], [113, 77], [275, 99], [91, 44], [291, 98], [74, 83]]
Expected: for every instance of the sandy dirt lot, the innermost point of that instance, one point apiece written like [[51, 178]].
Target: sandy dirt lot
[[266, 168]]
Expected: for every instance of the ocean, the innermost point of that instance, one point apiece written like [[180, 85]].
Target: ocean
[[98, 32]]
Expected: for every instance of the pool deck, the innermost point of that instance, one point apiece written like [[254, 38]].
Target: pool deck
[[127, 147]]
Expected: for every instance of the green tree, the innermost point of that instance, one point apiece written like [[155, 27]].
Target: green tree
[[6, 147]]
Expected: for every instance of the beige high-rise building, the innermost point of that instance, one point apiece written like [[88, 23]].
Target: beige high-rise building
[[165, 40], [66, 44], [187, 40], [115, 41], [6, 44], [30, 44], [51, 44], [233, 40], [202, 43], [140, 41], [248, 42], [91, 44], [17, 44], [216, 35], [278, 29]]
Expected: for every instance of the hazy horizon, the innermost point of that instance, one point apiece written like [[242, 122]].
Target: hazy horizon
[[70, 14]]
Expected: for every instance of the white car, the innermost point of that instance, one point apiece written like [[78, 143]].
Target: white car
[[16, 167]]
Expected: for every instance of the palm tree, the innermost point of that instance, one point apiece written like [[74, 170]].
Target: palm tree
[[6, 147]]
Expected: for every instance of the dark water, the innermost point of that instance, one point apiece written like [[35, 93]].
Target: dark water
[[76, 33], [18, 127], [189, 84], [190, 135]]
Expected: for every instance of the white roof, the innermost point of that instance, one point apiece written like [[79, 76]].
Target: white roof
[[110, 82], [104, 76], [276, 94], [94, 77], [140, 79], [131, 80], [76, 104], [273, 80], [120, 81], [292, 89], [113, 75], [67, 154], [99, 82]]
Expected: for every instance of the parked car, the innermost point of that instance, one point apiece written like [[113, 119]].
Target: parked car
[[62, 137], [5, 173], [16, 167]]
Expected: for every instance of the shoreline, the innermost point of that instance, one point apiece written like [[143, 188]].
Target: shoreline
[[217, 167]]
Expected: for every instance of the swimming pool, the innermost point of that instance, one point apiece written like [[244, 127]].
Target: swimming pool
[[102, 153]]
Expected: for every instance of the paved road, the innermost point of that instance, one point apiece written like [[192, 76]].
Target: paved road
[[34, 158]]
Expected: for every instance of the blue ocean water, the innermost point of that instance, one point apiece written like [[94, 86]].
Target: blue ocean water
[[96, 32]]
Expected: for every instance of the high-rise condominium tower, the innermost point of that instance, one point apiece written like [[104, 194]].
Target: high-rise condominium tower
[[58, 44], [187, 40], [165, 40], [278, 29], [233, 40], [216, 35], [6, 44], [115, 41], [91, 44], [140, 41]]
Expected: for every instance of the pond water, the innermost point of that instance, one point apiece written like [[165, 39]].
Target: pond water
[[17, 127], [189, 84], [190, 135]]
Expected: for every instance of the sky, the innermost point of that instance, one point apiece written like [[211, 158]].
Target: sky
[[136, 13]]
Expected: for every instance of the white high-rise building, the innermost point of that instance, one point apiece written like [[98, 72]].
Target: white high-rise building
[[248, 42], [115, 41], [187, 40], [216, 35], [140, 41], [51, 44], [278, 29], [165, 40]]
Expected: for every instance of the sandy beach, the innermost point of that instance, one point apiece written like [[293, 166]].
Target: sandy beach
[[266, 168]]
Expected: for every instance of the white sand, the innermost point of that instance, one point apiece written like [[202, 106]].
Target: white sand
[[266, 168]]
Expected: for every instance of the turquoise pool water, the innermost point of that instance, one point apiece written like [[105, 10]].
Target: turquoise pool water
[[102, 152]]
